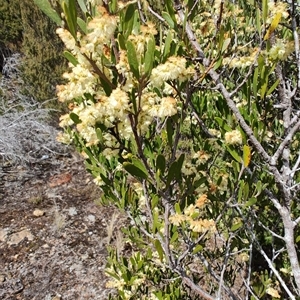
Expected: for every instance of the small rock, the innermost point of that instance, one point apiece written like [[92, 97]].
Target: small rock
[[72, 211], [56, 298], [38, 213], [91, 218], [17, 237], [4, 234], [2, 278]]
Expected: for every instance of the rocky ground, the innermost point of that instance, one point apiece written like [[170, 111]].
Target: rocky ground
[[53, 232]]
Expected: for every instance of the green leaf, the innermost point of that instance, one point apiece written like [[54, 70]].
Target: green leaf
[[177, 208], [273, 87], [161, 163], [69, 56], [264, 10], [223, 124], [170, 132], [172, 172], [197, 249], [82, 5], [75, 118], [128, 20], [234, 154], [82, 24], [70, 12], [255, 83], [298, 239], [139, 165], [174, 237], [225, 44], [179, 166], [251, 202], [168, 19], [149, 57], [106, 87], [236, 226], [121, 41], [45, 7], [134, 171], [167, 46], [132, 59], [159, 249], [99, 135]]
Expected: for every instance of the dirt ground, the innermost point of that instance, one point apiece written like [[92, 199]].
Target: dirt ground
[[53, 232]]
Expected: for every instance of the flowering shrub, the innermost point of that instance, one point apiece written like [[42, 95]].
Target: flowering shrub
[[188, 118]]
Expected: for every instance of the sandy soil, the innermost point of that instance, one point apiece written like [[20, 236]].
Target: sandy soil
[[53, 233]]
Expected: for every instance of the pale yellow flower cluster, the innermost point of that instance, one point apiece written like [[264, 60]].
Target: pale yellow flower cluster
[[67, 39], [166, 107], [138, 188], [83, 82], [242, 61], [280, 50], [174, 68], [191, 215], [201, 157], [277, 7], [124, 69], [80, 81], [233, 137], [64, 138]]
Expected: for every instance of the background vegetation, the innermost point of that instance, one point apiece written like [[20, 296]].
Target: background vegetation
[[26, 30]]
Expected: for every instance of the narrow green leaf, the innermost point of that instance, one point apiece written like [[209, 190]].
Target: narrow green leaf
[[82, 25], [132, 59], [70, 12], [149, 57], [99, 135], [134, 171], [128, 20], [168, 19], [139, 165], [106, 87], [174, 237], [251, 202], [167, 46], [264, 10], [170, 132], [273, 87], [82, 5], [236, 226], [46, 8], [177, 208], [159, 249], [197, 249], [179, 166], [172, 172], [234, 154], [225, 45], [255, 83], [161, 163], [106, 180], [75, 118], [121, 41], [69, 56], [223, 124]]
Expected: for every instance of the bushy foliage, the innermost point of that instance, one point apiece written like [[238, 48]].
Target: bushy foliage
[[25, 29], [187, 113]]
